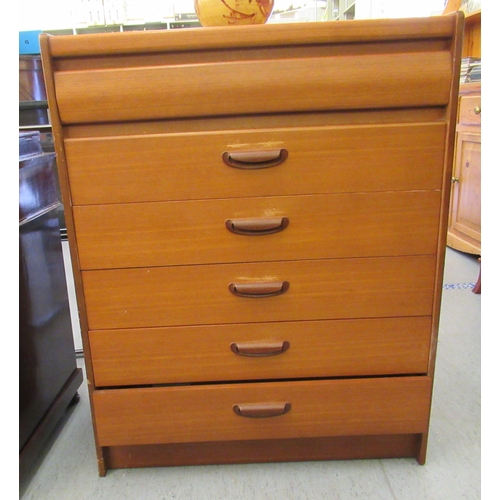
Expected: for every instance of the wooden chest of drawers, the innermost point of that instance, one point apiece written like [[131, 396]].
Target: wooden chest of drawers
[[257, 219]]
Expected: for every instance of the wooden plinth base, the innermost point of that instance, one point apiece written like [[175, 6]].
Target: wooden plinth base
[[281, 450]]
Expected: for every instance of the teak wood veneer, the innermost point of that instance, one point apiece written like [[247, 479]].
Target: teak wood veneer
[[257, 221]]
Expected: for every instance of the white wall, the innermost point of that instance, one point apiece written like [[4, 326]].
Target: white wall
[[44, 15], [56, 14], [366, 9]]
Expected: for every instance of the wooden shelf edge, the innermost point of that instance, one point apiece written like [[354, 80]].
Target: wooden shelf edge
[[463, 245], [473, 17]]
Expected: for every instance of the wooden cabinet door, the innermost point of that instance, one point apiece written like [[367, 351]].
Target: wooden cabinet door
[[465, 217]]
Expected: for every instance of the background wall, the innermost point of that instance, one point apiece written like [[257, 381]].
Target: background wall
[[67, 14]]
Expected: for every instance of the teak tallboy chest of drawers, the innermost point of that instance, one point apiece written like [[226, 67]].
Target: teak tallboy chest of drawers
[[257, 218]]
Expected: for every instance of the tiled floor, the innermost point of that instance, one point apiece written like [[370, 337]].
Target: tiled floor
[[68, 470]]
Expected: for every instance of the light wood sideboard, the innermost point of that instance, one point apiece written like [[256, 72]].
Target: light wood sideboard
[[257, 218], [464, 226], [464, 232]]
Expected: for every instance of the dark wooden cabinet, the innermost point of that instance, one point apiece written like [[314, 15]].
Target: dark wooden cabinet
[[48, 374]]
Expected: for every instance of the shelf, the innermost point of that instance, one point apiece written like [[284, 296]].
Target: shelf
[[350, 9], [473, 17], [33, 105], [472, 35]]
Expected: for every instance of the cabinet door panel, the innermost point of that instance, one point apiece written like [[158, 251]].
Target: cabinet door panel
[[466, 209]]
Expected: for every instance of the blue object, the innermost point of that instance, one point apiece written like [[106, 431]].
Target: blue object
[[28, 42]]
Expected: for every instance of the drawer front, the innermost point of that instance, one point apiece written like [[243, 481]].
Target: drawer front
[[320, 160], [304, 349], [470, 110], [396, 405], [220, 231], [318, 289], [245, 87]]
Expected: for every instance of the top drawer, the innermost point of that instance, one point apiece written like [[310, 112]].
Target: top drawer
[[470, 110], [336, 159], [291, 83]]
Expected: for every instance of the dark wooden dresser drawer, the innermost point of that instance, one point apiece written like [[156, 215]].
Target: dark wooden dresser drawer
[[189, 166], [310, 409], [317, 289], [304, 349], [257, 229]]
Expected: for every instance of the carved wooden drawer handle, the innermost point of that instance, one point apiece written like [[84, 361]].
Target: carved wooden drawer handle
[[257, 227], [261, 410], [259, 290], [255, 159], [259, 349]]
